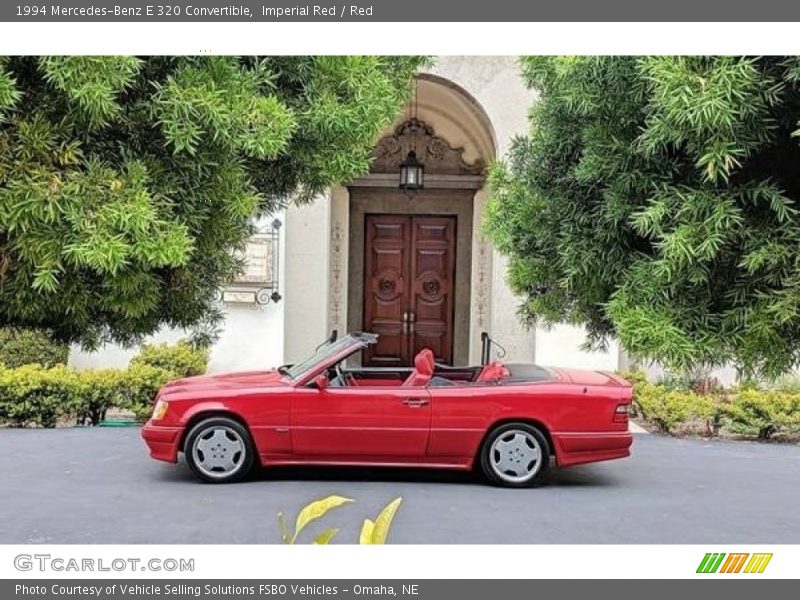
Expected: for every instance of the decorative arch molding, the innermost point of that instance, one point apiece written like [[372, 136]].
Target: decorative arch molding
[[457, 115], [434, 151]]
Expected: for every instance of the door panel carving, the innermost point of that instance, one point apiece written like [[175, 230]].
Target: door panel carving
[[409, 272]]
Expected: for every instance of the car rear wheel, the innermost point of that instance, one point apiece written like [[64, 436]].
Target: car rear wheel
[[515, 455], [219, 450]]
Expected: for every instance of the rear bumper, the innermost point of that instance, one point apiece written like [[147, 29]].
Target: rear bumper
[[575, 448], [162, 441]]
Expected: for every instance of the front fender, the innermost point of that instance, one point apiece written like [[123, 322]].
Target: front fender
[[208, 406]]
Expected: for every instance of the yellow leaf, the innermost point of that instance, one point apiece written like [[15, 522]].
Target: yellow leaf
[[326, 536], [384, 521], [284, 531], [366, 532], [315, 510]]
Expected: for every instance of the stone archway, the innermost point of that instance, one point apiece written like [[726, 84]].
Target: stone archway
[[454, 139]]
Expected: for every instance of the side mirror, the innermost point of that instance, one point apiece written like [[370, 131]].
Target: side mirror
[[321, 381]]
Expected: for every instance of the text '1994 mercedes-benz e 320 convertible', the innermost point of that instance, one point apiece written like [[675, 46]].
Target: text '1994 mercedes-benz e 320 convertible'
[[509, 420]]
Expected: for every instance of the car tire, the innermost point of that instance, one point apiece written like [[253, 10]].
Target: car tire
[[515, 455], [219, 450]]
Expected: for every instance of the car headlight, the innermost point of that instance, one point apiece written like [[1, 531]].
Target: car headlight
[[159, 410]]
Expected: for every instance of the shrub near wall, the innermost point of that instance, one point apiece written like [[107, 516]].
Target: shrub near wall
[[182, 358], [142, 384], [33, 395], [133, 389], [30, 346], [764, 413], [748, 411]]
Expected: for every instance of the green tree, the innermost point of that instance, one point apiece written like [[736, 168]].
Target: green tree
[[126, 183], [655, 200]]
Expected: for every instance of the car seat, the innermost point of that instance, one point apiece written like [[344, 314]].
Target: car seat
[[423, 369], [493, 372]]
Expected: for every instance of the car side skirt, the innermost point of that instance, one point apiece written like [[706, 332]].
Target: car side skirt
[[460, 463]]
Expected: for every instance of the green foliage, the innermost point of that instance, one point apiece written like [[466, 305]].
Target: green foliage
[[140, 384], [746, 410], [35, 395], [181, 359], [40, 395], [764, 413], [92, 84], [673, 381], [126, 184], [655, 200], [665, 407], [95, 391], [28, 346]]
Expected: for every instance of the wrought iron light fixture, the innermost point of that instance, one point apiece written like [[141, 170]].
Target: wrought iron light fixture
[[412, 171]]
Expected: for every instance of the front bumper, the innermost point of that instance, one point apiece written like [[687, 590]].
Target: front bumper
[[575, 448], [162, 441]]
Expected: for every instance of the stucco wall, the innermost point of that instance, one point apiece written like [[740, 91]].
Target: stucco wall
[[251, 338], [560, 347], [306, 283]]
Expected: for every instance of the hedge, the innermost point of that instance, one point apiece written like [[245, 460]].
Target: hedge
[[750, 411], [181, 358], [20, 347], [36, 395]]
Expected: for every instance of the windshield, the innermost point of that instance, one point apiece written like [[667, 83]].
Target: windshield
[[322, 353]]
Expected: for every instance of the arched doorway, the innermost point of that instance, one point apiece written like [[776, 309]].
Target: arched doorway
[[411, 257]]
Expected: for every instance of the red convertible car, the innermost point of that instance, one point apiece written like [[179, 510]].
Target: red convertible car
[[507, 419]]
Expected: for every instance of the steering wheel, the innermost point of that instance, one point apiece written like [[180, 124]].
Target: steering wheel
[[347, 379]]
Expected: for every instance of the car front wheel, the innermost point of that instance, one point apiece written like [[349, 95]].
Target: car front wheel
[[515, 455], [219, 450]]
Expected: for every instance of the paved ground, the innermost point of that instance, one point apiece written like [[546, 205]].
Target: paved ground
[[98, 486]]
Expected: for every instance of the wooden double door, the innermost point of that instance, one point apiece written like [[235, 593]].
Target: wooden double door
[[409, 277]]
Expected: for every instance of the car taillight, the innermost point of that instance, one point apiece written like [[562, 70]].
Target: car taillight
[[621, 413]]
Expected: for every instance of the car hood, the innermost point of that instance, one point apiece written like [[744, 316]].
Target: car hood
[[232, 380]]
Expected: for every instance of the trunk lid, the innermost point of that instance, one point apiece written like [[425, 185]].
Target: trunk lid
[[585, 377]]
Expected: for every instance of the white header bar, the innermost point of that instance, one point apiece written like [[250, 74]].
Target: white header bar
[[386, 562], [399, 38]]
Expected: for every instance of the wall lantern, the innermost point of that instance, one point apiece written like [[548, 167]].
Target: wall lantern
[[412, 173]]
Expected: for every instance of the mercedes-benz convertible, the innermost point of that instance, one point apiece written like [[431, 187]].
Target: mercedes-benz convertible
[[507, 420]]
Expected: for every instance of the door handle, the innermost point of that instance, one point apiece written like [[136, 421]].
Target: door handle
[[411, 321], [415, 402], [405, 323]]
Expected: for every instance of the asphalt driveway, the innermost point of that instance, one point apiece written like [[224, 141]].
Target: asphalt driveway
[[99, 486]]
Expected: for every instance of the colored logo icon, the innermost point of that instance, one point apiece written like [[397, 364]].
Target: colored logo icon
[[735, 562]]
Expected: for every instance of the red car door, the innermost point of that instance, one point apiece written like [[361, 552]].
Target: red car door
[[342, 422]]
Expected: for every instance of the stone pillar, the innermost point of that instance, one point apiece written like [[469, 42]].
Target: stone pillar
[[339, 259], [481, 299]]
